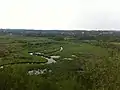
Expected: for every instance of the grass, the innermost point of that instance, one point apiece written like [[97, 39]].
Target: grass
[[92, 69], [70, 49]]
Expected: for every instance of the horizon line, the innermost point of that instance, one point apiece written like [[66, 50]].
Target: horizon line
[[62, 29]]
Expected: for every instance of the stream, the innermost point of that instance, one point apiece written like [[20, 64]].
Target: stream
[[50, 59]]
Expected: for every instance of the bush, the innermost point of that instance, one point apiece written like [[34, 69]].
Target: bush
[[4, 52]]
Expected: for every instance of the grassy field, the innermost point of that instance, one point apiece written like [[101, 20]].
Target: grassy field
[[81, 66]]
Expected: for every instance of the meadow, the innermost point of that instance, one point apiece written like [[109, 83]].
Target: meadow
[[81, 65]]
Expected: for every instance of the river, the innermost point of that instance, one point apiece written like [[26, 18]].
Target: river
[[49, 61]]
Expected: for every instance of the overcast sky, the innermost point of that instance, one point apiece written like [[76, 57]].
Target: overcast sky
[[60, 14]]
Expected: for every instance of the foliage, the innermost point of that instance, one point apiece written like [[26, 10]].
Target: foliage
[[94, 65]]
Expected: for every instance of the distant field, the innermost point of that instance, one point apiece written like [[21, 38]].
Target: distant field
[[22, 45]]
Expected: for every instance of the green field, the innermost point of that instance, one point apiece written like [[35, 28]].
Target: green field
[[82, 65]]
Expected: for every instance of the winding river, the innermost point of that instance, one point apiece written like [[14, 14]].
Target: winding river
[[49, 59]]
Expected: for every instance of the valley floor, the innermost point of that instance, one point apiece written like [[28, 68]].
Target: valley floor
[[42, 63]]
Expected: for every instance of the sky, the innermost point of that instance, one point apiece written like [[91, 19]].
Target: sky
[[60, 14]]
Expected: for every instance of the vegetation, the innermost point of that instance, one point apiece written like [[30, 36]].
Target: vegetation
[[84, 63]]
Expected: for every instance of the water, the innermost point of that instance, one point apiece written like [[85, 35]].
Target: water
[[68, 59], [38, 71], [61, 48], [50, 60], [73, 55], [31, 53], [1, 67], [55, 56]]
